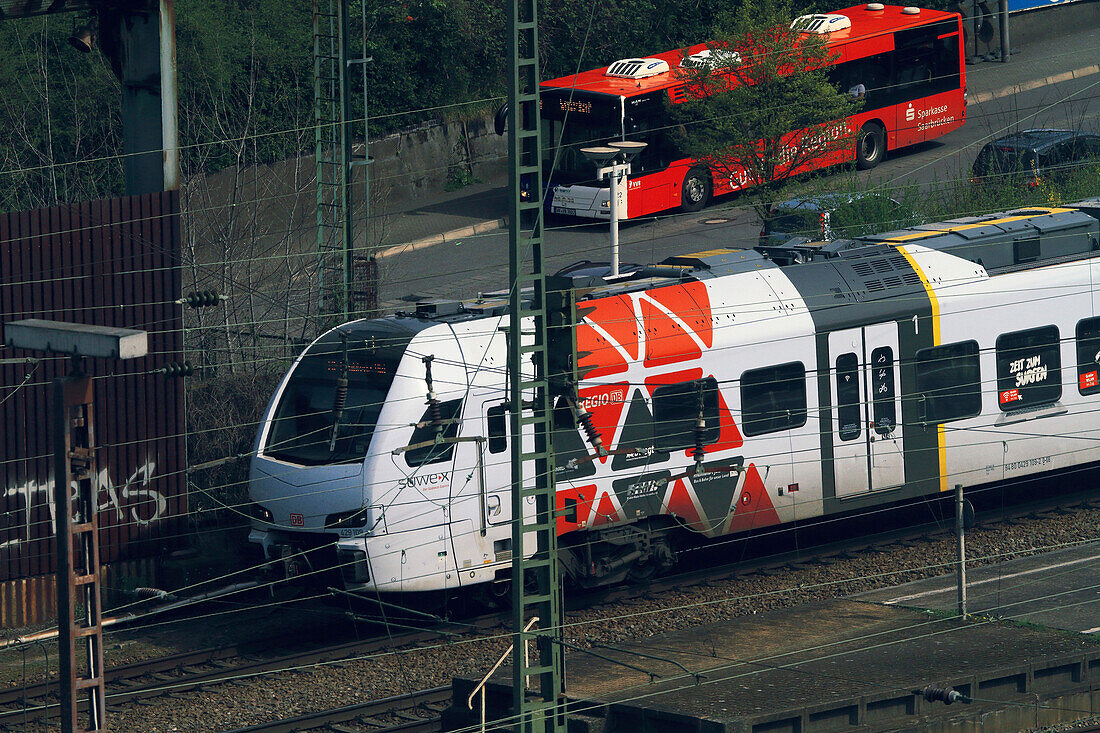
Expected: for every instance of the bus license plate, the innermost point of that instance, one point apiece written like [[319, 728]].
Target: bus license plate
[[563, 210]]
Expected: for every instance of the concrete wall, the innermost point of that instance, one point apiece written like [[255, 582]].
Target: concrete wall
[[420, 161], [424, 159]]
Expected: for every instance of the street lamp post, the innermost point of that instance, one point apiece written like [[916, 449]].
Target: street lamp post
[[613, 164]]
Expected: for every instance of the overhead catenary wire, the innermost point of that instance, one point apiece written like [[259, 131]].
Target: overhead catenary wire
[[758, 664]]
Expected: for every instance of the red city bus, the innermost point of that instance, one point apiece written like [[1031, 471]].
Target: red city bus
[[908, 60]]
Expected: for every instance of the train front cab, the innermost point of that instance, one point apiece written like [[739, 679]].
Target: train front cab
[[309, 475], [441, 509]]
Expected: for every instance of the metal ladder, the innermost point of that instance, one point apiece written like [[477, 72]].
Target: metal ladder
[[80, 621], [535, 588], [340, 110]]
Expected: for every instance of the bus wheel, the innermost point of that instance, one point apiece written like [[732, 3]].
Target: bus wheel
[[870, 146], [696, 190]]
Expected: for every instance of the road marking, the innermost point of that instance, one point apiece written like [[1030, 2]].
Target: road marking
[[998, 579], [1027, 86], [452, 237]]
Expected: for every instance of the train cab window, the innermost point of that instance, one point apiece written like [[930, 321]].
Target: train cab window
[[773, 398], [848, 404], [424, 431], [884, 411], [1088, 356], [949, 383], [1029, 368], [497, 419], [676, 409]]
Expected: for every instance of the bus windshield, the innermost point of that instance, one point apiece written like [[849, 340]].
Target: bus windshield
[[571, 164], [309, 426]]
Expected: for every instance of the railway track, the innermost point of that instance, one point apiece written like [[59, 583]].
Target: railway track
[[182, 673], [416, 712]]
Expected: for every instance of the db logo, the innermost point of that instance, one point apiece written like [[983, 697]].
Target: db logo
[[297, 520], [603, 397]]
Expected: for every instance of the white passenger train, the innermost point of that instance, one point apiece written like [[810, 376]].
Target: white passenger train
[[719, 392]]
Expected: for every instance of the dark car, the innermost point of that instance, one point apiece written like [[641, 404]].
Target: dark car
[[831, 216], [1031, 156]]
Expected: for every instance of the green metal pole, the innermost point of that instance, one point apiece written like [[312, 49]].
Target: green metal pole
[[535, 578]]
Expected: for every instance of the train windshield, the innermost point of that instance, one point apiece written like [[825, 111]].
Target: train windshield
[[317, 422]]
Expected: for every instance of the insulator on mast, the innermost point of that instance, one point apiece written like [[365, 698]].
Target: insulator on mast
[[435, 414], [340, 396]]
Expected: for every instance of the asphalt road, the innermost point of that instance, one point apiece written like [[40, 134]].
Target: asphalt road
[[1000, 103]]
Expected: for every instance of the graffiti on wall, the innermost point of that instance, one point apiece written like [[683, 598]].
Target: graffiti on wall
[[134, 501]]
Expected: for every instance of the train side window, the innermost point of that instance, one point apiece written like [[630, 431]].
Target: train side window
[[848, 410], [949, 382], [436, 452], [676, 411], [773, 398], [1088, 356], [1029, 368], [497, 419]]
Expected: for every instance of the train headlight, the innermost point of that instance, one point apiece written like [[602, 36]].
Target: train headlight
[[261, 513], [354, 519]]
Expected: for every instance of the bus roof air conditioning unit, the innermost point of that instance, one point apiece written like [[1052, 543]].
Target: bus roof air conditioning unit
[[821, 24], [637, 68], [710, 59]]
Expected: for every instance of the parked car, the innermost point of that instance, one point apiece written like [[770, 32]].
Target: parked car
[[1031, 156], [832, 216]]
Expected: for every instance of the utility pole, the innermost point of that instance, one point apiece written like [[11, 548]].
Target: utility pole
[[960, 547], [79, 613], [535, 585]]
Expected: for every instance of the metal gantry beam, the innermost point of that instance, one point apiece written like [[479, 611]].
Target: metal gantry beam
[[535, 580]]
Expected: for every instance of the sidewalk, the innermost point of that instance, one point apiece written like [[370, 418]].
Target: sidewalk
[[443, 216]]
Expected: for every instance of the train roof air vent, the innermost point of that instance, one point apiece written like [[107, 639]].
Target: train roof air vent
[[637, 68], [711, 58], [821, 24], [878, 269]]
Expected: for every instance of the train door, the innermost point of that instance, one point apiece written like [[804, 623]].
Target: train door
[[867, 434], [497, 496]]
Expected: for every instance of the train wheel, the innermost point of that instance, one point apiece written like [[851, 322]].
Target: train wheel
[[870, 146], [696, 190], [643, 572], [497, 594]]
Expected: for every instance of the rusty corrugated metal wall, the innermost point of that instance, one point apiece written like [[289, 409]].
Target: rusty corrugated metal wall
[[116, 263]]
